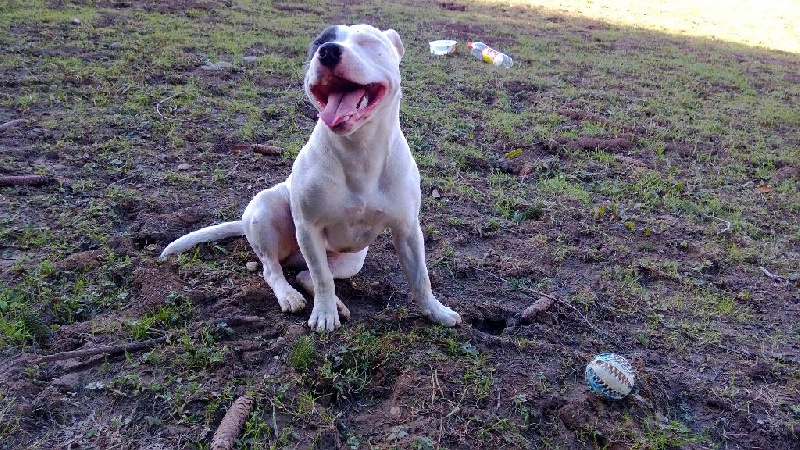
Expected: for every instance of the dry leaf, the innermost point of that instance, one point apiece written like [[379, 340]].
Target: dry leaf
[[514, 153], [526, 169], [240, 148], [763, 188], [263, 149]]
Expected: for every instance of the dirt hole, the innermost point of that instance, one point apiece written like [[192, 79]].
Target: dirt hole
[[493, 326]]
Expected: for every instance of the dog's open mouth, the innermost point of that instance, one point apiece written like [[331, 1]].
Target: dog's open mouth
[[344, 101]]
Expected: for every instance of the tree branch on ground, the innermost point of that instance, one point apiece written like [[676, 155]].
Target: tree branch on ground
[[24, 180]]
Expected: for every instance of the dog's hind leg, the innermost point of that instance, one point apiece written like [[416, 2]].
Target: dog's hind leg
[[288, 298], [342, 265], [269, 228]]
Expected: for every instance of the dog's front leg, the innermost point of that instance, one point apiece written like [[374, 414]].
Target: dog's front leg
[[410, 248], [324, 315]]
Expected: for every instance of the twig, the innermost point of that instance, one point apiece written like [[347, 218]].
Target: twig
[[452, 6], [231, 425], [122, 180], [262, 149], [727, 225], [435, 385], [12, 123], [239, 320], [24, 180], [158, 105], [274, 421], [771, 275], [107, 349], [140, 345], [440, 433]]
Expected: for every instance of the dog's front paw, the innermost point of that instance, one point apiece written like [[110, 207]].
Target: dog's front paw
[[442, 315], [292, 301], [304, 278], [325, 317]]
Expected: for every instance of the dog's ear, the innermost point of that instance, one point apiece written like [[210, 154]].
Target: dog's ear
[[395, 38]]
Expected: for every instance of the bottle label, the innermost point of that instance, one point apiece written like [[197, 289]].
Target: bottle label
[[489, 54]]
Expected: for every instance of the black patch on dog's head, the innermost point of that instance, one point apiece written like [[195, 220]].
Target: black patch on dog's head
[[328, 35]]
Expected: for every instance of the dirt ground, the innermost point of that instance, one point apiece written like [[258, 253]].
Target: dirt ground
[[713, 339]]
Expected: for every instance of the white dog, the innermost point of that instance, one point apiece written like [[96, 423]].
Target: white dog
[[353, 179]]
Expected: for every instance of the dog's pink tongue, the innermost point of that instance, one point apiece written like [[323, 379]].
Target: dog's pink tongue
[[340, 106]]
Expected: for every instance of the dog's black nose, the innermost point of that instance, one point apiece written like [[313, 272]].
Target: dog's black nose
[[330, 54]]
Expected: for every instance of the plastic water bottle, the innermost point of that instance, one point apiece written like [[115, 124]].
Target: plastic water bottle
[[489, 55]]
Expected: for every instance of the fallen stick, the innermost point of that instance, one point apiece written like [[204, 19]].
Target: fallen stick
[[24, 180], [238, 320], [12, 123], [158, 105], [140, 345], [262, 149], [231, 424], [727, 225], [771, 275], [107, 349]]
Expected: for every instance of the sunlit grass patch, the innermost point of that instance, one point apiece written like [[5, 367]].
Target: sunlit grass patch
[[561, 186], [772, 27]]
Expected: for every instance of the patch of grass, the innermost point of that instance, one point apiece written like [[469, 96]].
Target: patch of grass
[[30, 237], [20, 322], [257, 430], [348, 369], [560, 185], [301, 355], [662, 435], [176, 312], [9, 421], [198, 353], [22, 316], [510, 198]]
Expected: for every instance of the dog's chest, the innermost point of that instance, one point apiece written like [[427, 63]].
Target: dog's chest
[[357, 225]]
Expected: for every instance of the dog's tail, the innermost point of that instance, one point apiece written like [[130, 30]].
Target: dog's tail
[[207, 234]]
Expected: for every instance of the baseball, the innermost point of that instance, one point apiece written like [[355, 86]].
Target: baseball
[[610, 376]]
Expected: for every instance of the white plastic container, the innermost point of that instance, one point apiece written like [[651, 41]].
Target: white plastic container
[[442, 47]]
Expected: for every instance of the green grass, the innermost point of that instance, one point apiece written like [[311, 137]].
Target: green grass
[[22, 320], [176, 311]]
